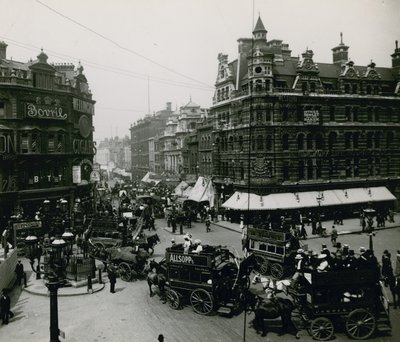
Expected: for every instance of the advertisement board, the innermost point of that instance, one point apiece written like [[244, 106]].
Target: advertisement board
[[311, 117]]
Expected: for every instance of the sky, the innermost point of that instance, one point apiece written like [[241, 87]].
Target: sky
[[140, 54]]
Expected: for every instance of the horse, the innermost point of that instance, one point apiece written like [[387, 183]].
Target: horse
[[270, 286], [273, 308], [151, 242], [245, 268], [156, 276]]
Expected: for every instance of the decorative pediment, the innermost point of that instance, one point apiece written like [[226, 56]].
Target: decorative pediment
[[224, 72], [371, 73], [349, 71], [307, 65]]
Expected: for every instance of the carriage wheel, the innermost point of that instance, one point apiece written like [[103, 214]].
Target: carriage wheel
[[174, 301], [277, 271], [262, 265], [201, 301], [360, 324], [321, 329], [125, 271]]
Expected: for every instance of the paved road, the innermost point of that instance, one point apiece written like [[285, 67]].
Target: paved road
[[131, 315]]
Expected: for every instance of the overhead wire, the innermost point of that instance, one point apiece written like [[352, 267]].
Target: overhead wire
[[111, 69], [121, 46]]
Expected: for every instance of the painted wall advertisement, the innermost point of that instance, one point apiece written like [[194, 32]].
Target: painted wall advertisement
[[76, 174], [311, 117]]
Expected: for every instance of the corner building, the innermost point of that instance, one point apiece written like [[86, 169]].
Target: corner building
[[290, 124], [46, 134]]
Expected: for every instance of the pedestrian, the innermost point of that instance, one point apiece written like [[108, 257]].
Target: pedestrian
[[394, 285], [208, 223], [112, 277], [387, 270], [397, 265], [173, 243], [334, 235], [5, 306], [173, 223], [303, 232], [19, 271], [363, 224], [160, 338]]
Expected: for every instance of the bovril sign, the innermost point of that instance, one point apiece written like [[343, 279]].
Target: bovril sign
[[45, 112], [181, 259]]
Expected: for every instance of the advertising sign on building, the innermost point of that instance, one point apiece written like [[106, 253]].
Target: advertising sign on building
[[95, 176], [76, 174], [311, 117]]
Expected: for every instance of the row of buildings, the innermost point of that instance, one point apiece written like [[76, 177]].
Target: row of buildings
[[46, 135], [281, 123]]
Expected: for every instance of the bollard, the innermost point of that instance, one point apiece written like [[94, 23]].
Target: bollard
[[100, 277], [89, 283]]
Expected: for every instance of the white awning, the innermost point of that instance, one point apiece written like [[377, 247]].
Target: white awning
[[308, 199]]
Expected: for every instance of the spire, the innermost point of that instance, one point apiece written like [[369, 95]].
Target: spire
[[259, 32], [259, 26]]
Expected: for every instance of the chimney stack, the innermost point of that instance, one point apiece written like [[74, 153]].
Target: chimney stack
[[3, 50]]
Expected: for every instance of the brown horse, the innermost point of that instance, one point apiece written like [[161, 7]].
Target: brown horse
[[156, 276]]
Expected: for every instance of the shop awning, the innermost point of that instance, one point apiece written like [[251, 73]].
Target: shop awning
[[202, 191], [308, 199], [148, 178]]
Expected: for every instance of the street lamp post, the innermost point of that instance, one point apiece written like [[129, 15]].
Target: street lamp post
[[320, 198], [54, 272]]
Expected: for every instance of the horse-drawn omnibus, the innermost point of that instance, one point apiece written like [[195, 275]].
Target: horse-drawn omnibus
[[209, 281], [353, 300], [274, 249]]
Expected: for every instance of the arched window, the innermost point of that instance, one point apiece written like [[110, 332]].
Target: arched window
[[347, 140], [268, 114], [259, 115], [312, 87], [300, 141], [285, 170], [347, 88], [260, 143], [354, 88], [285, 142], [309, 141], [268, 143], [319, 168], [319, 142], [332, 138]]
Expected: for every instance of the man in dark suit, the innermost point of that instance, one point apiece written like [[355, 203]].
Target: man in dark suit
[[112, 277], [5, 305], [19, 271]]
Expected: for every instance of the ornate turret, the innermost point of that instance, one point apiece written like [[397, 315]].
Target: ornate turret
[[396, 57], [259, 32], [340, 52], [42, 57], [3, 50]]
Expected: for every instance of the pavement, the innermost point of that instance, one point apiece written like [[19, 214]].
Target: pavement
[[350, 226]]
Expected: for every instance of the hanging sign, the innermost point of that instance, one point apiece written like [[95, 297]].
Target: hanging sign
[[76, 174]]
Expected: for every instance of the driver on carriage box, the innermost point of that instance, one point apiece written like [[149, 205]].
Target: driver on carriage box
[[198, 246]]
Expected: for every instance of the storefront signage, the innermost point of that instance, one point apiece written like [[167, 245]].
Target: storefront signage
[[27, 225], [83, 146], [181, 259], [7, 143], [95, 176], [76, 174], [311, 117], [256, 234], [45, 112]]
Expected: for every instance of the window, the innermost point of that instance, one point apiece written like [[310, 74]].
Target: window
[[319, 142], [348, 113], [389, 139], [369, 139], [348, 168], [377, 140], [35, 145], [284, 112], [240, 143], [309, 141], [310, 169], [377, 114], [51, 143], [300, 169], [304, 87], [331, 113], [2, 110], [285, 142], [347, 140], [319, 168], [356, 167], [369, 114], [268, 114], [355, 113], [24, 143], [300, 142], [332, 140], [285, 170], [241, 171], [347, 88], [354, 88], [356, 138], [260, 143], [231, 143], [268, 143]]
